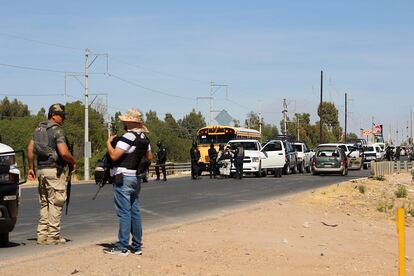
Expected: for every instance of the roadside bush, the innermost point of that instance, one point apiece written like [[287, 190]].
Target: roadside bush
[[410, 210], [401, 192], [361, 189], [379, 178], [385, 205], [412, 174]]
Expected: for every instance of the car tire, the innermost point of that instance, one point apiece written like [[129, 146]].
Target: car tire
[[295, 169], [4, 239], [286, 170], [301, 167], [365, 166]]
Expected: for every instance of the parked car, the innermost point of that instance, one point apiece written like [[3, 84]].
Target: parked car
[[353, 152], [329, 160], [370, 154], [304, 156], [275, 160], [9, 189], [253, 156]]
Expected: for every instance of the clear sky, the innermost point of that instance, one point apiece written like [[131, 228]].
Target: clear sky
[[164, 54]]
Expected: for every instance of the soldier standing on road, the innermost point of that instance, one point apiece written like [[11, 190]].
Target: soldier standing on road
[[161, 159], [212, 154], [51, 169], [195, 157]]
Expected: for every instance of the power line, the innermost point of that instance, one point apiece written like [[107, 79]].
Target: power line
[[158, 72], [40, 42], [39, 69], [149, 89]]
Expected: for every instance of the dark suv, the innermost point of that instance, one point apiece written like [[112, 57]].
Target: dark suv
[[291, 165], [9, 189]]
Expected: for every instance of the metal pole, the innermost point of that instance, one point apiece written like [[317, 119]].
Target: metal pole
[[320, 116], [211, 100], [86, 141], [411, 126], [346, 115], [298, 128], [284, 117]]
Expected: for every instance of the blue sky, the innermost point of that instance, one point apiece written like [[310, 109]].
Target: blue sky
[[265, 51]]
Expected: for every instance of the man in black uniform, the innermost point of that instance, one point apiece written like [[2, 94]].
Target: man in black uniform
[[238, 160], [161, 159], [212, 154], [195, 157]]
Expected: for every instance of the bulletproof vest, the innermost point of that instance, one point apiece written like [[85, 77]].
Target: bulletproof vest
[[45, 145], [131, 160]]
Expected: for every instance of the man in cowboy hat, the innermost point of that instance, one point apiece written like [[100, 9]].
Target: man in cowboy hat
[[126, 156]]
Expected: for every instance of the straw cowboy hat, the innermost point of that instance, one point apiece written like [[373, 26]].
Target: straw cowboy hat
[[134, 116]]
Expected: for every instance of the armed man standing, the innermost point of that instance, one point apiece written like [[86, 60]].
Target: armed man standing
[[195, 157], [126, 157], [161, 159], [50, 146]]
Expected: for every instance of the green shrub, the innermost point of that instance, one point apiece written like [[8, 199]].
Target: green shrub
[[361, 189], [401, 192], [385, 205]]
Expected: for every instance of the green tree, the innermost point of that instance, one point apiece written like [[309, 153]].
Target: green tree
[[252, 121], [9, 110], [192, 122]]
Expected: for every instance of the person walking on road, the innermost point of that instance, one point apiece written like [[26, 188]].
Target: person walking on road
[[161, 159], [125, 157], [50, 147]]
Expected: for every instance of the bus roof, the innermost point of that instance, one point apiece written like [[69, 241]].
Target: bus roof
[[236, 129]]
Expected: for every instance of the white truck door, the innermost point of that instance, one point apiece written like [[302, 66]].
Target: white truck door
[[275, 156]]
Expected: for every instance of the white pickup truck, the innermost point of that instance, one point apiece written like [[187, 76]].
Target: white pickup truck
[[275, 160], [9, 189], [260, 161], [304, 157]]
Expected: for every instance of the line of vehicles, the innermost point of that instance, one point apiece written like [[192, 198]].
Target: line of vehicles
[[284, 156]]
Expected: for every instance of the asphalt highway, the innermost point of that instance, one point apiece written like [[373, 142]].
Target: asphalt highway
[[162, 203]]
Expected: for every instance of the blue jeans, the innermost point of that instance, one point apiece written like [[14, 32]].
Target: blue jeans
[[127, 210]]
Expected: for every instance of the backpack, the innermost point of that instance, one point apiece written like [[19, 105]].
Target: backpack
[[42, 146]]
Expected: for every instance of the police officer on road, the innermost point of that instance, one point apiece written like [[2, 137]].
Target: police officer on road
[[238, 160], [161, 159], [195, 157], [212, 154]]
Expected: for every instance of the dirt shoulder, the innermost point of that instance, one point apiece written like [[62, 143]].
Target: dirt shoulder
[[343, 229]]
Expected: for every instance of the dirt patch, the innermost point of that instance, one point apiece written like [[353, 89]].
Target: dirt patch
[[337, 230]]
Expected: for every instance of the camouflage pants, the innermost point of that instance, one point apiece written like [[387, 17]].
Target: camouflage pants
[[52, 197]]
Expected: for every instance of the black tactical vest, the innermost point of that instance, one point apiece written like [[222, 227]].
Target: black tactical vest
[[131, 160]]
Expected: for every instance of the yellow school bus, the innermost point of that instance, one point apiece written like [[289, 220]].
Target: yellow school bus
[[220, 135]]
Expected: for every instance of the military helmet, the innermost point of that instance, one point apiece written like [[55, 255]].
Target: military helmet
[[57, 109]]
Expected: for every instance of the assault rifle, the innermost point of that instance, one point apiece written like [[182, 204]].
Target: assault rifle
[[69, 181]]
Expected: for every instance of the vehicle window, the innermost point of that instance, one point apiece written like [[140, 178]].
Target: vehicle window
[[298, 147], [377, 149], [343, 147], [274, 146], [248, 145], [328, 153], [369, 148], [352, 148]]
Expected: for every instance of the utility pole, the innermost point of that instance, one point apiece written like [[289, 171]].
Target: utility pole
[[411, 126], [284, 117], [346, 115], [87, 145], [297, 118], [211, 98], [320, 114]]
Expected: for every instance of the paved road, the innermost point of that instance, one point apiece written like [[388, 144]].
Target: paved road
[[162, 203]]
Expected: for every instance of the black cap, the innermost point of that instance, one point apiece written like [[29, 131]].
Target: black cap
[[57, 109]]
